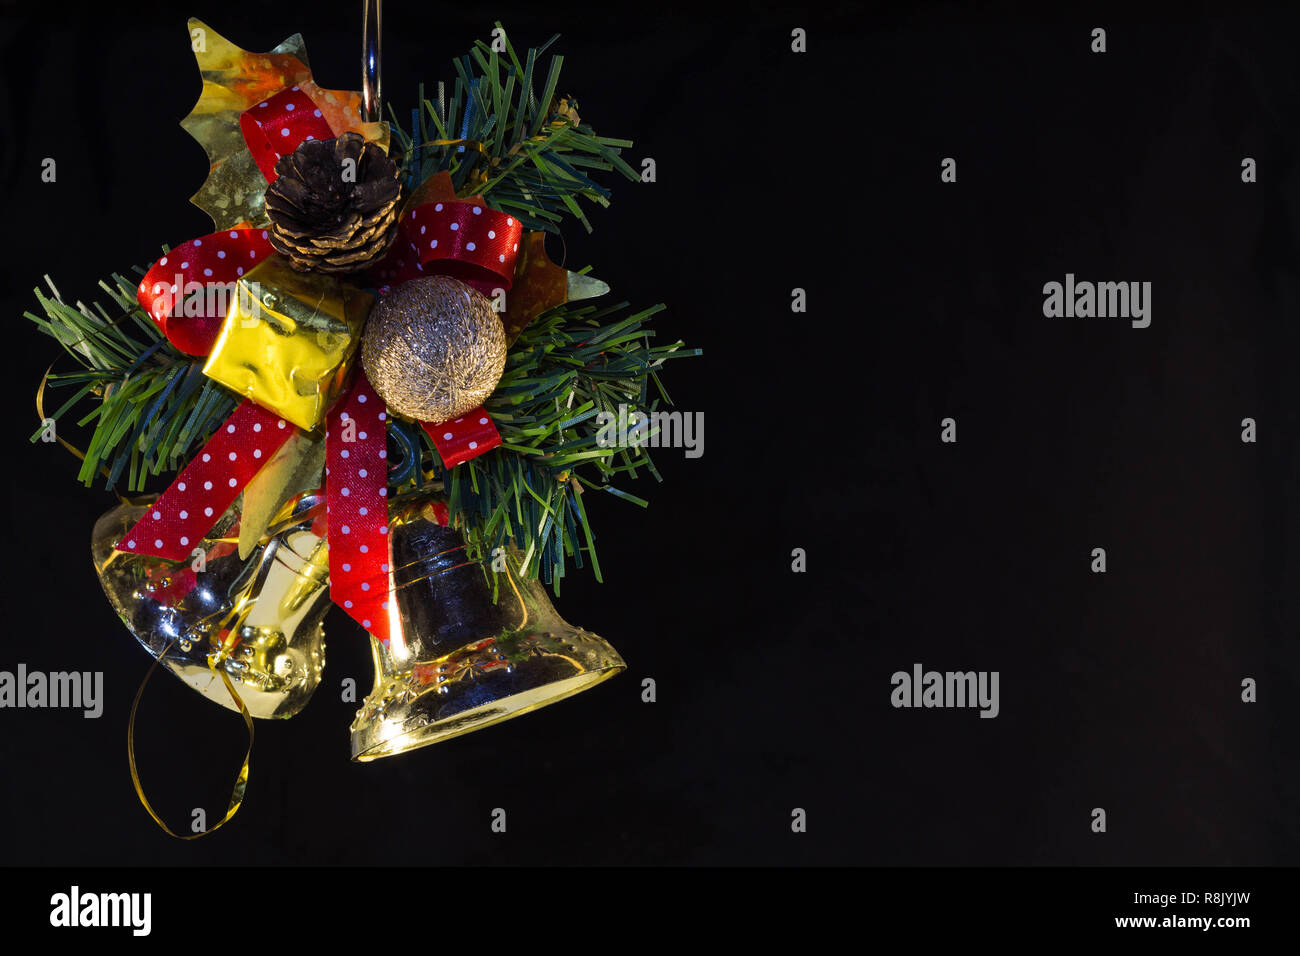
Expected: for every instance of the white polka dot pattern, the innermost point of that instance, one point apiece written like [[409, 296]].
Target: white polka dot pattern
[[460, 238], [463, 438], [279, 125], [188, 291], [187, 510], [355, 493]]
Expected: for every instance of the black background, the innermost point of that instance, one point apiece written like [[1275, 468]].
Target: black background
[[775, 170]]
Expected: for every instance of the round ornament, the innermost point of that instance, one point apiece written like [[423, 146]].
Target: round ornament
[[433, 348]]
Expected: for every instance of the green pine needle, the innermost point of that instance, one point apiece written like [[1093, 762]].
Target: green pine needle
[[527, 152], [146, 389], [567, 367]]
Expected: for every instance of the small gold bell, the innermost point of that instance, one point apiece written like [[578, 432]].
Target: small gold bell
[[456, 660], [259, 620]]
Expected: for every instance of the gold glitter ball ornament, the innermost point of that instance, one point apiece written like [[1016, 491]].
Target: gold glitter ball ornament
[[433, 348]]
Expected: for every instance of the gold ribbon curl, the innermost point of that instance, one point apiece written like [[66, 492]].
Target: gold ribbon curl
[[239, 612]]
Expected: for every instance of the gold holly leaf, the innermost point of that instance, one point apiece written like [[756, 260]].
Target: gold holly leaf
[[234, 80]]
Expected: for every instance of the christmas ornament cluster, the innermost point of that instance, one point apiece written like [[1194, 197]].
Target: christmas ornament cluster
[[369, 387]]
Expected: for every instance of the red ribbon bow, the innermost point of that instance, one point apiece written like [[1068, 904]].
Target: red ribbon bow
[[461, 238]]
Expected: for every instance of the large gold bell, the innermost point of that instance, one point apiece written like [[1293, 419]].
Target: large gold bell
[[258, 619], [458, 660]]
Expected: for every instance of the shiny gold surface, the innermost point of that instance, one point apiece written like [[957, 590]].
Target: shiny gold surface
[[297, 466], [234, 80], [258, 621], [288, 340], [456, 661]]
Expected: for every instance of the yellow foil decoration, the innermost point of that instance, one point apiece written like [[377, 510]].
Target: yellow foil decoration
[[289, 340], [233, 80], [298, 466]]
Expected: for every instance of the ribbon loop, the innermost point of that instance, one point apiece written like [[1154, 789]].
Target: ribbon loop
[[241, 777], [463, 239], [189, 291], [280, 124]]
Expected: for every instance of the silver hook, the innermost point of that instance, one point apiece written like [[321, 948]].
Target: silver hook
[[371, 91]]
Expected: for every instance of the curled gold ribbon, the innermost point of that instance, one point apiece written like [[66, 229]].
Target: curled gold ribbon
[[241, 779], [479, 147], [231, 623], [40, 411], [472, 143]]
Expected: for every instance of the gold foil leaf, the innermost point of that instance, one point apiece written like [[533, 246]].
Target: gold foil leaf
[[235, 79], [297, 466]]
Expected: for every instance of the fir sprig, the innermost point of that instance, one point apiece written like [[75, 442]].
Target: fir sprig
[[499, 137], [567, 367], [154, 403]]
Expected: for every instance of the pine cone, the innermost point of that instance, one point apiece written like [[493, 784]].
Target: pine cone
[[323, 222]]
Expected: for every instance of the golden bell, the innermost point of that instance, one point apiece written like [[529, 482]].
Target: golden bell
[[259, 620], [456, 659]]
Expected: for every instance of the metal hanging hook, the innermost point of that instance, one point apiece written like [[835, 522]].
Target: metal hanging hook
[[371, 91]]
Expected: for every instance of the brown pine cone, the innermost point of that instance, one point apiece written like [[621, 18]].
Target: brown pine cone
[[320, 219]]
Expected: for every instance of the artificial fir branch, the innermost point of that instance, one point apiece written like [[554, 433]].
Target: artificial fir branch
[[568, 366], [154, 403], [529, 153], [497, 136]]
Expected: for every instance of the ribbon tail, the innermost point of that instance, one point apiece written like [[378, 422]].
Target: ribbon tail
[[460, 439], [200, 495], [356, 495]]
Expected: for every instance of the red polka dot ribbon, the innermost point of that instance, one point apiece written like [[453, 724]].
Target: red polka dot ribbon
[[201, 493], [188, 291], [463, 239], [461, 439], [356, 495], [277, 126]]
